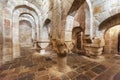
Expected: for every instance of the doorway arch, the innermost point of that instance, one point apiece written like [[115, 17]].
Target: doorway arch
[[112, 38], [109, 28], [76, 37], [25, 33]]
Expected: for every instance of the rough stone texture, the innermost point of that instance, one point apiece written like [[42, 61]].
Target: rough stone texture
[[24, 23], [80, 17], [25, 34], [35, 67], [95, 48], [57, 12], [111, 40], [101, 12]]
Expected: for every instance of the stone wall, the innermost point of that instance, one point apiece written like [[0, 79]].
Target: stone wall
[[111, 39], [80, 17], [35, 12], [25, 35], [103, 9], [110, 32], [64, 15]]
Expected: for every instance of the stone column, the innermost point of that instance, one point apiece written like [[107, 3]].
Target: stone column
[[68, 30], [56, 19], [38, 31], [16, 43], [62, 63]]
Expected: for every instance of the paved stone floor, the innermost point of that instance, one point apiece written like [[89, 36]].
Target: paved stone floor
[[33, 67]]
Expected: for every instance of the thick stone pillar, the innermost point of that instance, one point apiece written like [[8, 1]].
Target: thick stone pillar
[[56, 19], [16, 43], [67, 33], [68, 28]]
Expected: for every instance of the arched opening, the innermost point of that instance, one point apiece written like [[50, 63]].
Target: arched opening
[[46, 29], [109, 28], [25, 33], [11, 27], [75, 6], [110, 22], [18, 12], [112, 37], [45, 36], [77, 37]]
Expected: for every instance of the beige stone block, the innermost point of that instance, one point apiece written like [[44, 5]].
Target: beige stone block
[[95, 45], [87, 45], [7, 58], [96, 50], [98, 54], [68, 36], [107, 49], [96, 41], [69, 23]]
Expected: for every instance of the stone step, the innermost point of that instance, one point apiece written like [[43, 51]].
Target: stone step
[[94, 49], [93, 45]]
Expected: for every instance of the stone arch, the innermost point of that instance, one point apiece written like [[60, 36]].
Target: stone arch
[[111, 39], [32, 17], [33, 20], [75, 31], [90, 16], [110, 22], [28, 14], [76, 37], [16, 3], [46, 30], [45, 33], [8, 25], [26, 19], [104, 13], [110, 13], [33, 26], [48, 25], [75, 6], [16, 15], [71, 23], [104, 31]]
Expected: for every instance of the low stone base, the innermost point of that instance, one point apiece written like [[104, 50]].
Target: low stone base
[[92, 50]]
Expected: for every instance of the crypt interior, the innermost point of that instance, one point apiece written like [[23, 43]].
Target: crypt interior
[[59, 39]]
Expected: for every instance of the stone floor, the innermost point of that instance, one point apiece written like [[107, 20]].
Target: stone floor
[[31, 66]]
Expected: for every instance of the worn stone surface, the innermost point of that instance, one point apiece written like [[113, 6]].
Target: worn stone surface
[[25, 24], [34, 68]]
